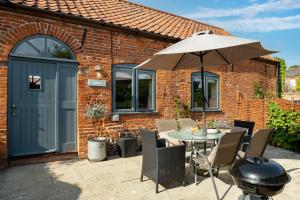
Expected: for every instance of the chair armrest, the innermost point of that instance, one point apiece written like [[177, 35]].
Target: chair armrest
[[244, 146]]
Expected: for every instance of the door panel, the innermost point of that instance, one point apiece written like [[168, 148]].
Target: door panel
[[44, 117], [67, 107], [32, 120]]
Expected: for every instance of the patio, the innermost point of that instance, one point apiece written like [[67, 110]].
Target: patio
[[118, 178]]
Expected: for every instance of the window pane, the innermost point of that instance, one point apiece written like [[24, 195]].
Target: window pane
[[38, 43], [123, 87], [34, 82], [212, 92], [26, 49], [56, 50], [145, 88], [197, 92]]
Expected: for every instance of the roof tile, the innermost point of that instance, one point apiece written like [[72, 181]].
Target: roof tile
[[126, 14]]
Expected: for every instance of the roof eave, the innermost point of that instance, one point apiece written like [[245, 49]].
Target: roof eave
[[88, 22]]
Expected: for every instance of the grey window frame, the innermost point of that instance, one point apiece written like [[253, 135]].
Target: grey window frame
[[135, 96], [207, 75], [41, 85], [44, 55]]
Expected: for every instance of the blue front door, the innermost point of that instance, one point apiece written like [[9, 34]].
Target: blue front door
[[42, 101]]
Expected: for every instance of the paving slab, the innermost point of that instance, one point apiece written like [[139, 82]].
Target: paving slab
[[118, 179]]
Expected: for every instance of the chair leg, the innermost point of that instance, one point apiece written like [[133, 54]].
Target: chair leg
[[213, 182], [217, 173], [156, 181], [141, 178], [195, 171]]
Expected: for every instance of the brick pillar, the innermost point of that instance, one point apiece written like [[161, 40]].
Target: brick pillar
[[3, 114]]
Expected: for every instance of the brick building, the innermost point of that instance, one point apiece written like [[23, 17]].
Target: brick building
[[50, 49]]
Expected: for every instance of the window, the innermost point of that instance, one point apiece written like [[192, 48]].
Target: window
[[133, 90], [34, 82], [211, 91], [43, 46]]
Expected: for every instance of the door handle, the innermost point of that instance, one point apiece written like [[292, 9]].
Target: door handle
[[14, 107]]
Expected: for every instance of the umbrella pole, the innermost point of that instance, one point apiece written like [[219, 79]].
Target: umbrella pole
[[203, 95]]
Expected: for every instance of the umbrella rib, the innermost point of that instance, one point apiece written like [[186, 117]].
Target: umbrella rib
[[222, 56], [178, 62]]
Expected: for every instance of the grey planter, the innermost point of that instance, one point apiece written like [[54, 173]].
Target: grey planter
[[97, 149]]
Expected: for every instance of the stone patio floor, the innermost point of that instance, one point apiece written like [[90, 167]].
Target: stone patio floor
[[118, 178]]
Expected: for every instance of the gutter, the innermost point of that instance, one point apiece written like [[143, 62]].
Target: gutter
[[7, 5]]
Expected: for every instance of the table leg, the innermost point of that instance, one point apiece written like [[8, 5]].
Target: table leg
[[204, 147]]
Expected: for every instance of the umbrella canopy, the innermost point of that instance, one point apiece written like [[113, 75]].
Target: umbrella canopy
[[205, 49], [215, 50]]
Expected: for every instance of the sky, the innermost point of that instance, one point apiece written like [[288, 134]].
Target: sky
[[276, 23]]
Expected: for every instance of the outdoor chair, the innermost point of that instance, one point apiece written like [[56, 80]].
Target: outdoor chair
[[164, 165], [224, 154], [187, 123], [164, 127], [258, 143], [249, 126]]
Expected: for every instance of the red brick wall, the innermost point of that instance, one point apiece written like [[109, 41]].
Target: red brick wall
[[3, 114], [107, 47], [257, 110]]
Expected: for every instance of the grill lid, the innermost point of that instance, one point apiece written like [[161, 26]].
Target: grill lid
[[259, 171]]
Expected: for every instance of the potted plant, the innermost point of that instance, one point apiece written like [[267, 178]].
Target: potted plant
[[212, 127], [97, 146]]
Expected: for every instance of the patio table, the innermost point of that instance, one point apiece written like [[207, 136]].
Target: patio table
[[187, 136]]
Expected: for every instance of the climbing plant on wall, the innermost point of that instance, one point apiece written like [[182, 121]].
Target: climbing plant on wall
[[281, 76]]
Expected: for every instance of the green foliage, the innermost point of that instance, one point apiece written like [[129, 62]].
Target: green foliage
[[294, 66], [260, 93], [212, 124], [281, 75], [298, 83], [286, 123], [181, 109], [95, 111]]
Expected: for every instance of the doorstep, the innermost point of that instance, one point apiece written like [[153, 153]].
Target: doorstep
[[42, 158]]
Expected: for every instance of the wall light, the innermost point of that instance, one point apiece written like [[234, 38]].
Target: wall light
[[98, 71]]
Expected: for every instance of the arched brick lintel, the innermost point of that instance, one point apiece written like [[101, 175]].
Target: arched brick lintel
[[16, 34]]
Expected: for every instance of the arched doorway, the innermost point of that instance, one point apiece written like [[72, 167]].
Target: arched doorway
[[42, 97]]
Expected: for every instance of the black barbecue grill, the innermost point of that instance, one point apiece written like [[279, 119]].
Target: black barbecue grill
[[259, 178]]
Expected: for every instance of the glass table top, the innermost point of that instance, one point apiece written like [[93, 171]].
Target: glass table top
[[187, 135]]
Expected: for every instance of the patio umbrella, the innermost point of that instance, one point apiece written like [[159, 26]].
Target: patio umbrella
[[205, 49]]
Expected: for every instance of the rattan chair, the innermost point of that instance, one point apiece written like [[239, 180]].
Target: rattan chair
[[249, 126], [258, 143], [164, 165], [224, 154]]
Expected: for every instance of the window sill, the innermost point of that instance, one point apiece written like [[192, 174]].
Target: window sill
[[134, 113], [210, 110]]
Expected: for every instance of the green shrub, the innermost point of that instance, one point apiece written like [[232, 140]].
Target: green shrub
[[298, 83], [286, 123]]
